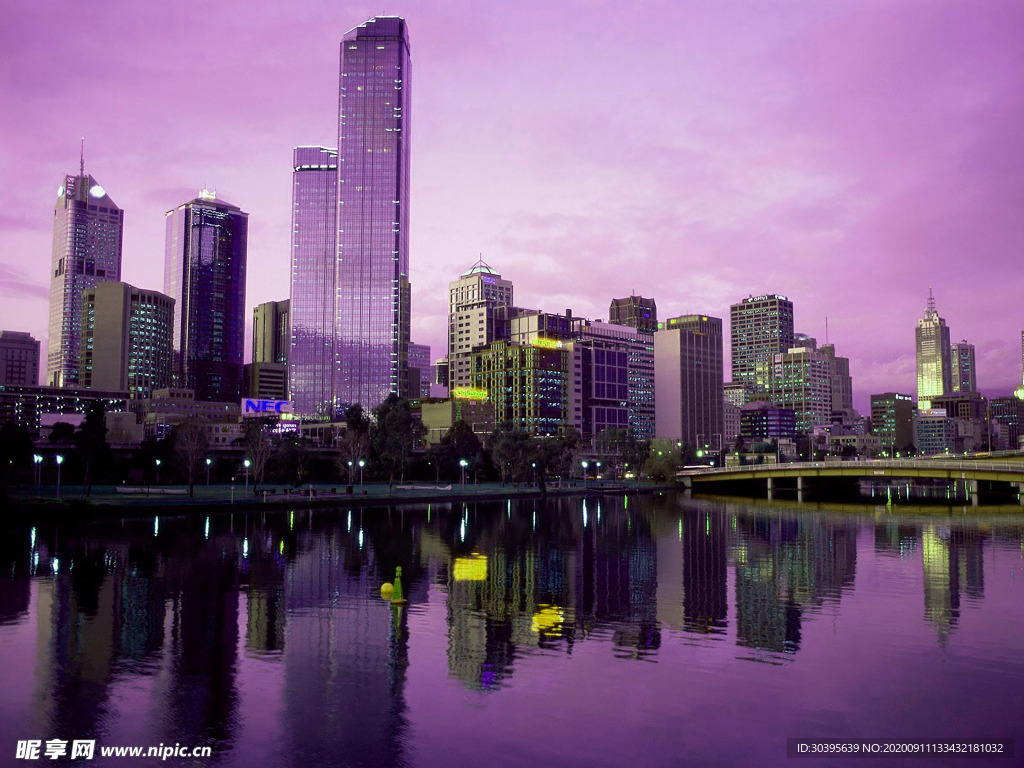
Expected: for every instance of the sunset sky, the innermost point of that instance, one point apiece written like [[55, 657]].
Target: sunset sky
[[849, 155]]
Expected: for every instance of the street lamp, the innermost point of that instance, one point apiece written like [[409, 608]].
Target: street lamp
[[247, 464], [534, 465], [463, 464], [361, 465], [584, 464], [60, 460], [208, 463], [37, 460], [158, 471], [597, 472]]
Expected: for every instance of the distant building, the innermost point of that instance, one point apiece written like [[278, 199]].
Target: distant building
[[892, 420], [528, 325], [87, 234], [934, 377], [964, 377], [802, 382], [969, 410], [474, 408], [205, 269], [730, 423], [26, 406], [266, 381], [420, 370], [527, 385], [761, 327], [270, 332], [126, 339], [598, 387], [1008, 414], [763, 422], [475, 302], [934, 432], [688, 382], [842, 382], [19, 359], [737, 394], [634, 311], [167, 408]]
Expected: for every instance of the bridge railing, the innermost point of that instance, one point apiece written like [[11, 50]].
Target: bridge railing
[[956, 466]]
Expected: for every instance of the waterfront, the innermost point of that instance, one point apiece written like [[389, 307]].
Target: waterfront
[[652, 631]]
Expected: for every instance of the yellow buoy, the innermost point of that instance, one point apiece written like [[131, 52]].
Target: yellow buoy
[[386, 589]]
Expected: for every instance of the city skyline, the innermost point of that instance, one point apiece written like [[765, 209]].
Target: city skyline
[[843, 156]]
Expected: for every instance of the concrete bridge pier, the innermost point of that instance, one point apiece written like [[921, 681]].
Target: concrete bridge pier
[[771, 489], [799, 490], [972, 489], [1020, 493]]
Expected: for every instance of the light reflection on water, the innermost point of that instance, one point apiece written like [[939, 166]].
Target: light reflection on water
[[535, 632]]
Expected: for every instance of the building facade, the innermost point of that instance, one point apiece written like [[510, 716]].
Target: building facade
[[802, 382], [934, 376], [634, 311], [477, 315], [688, 381], [761, 327], [27, 406], [204, 272], [127, 339], [842, 382], [963, 374], [527, 385], [19, 359], [87, 234], [892, 420], [314, 263], [270, 332], [372, 313], [420, 370]]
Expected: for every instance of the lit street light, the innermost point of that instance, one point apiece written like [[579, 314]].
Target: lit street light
[[208, 463], [584, 464], [60, 460], [247, 464], [37, 461], [463, 464], [361, 465], [158, 471]]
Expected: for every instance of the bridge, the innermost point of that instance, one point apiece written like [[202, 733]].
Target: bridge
[[778, 477]]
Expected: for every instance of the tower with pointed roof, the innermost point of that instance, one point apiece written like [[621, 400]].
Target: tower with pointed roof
[[934, 373], [87, 235], [476, 302]]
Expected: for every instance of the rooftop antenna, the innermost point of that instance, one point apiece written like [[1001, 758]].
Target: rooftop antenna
[[81, 159], [826, 329], [931, 302]]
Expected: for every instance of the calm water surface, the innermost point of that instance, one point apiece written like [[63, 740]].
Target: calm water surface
[[652, 632]]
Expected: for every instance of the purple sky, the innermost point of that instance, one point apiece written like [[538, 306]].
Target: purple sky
[[849, 155]]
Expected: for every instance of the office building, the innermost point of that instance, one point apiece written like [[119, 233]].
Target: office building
[[761, 422], [934, 432], [372, 312], [1008, 415], [265, 381], [19, 359], [934, 376], [270, 332], [842, 382], [126, 339], [314, 263], [963, 375], [204, 272], [634, 311], [892, 420], [87, 232], [28, 407], [802, 382], [761, 327], [477, 315], [688, 381], [527, 385], [420, 370]]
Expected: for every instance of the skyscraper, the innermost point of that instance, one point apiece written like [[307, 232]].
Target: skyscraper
[[204, 272], [126, 339], [635, 311], [87, 232], [760, 327], [267, 375], [689, 399], [19, 359], [963, 375], [372, 285], [474, 303], [933, 366], [314, 251]]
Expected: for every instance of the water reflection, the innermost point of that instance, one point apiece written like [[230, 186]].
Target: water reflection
[[126, 617]]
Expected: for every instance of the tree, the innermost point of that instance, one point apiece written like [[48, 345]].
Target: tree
[[191, 444], [664, 459], [512, 453], [394, 434], [259, 448], [91, 441], [354, 444], [15, 449], [62, 432]]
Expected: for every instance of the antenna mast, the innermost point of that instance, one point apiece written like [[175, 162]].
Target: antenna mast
[[81, 160]]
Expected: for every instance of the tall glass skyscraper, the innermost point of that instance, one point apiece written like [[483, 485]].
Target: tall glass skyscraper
[[87, 231], [761, 327], [204, 272], [372, 287], [314, 276], [934, 377]]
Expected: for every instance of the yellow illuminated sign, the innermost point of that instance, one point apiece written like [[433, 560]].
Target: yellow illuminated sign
[[547, 343], [469, 393], [472, 568]]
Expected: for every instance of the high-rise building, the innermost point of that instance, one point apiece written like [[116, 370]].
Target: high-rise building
[[1008, 415], [892, 420], [842, 382], [420, 370], [126, 339], [688, 381], [760, 328], [19, 359], [475, 304], [802, 382], [635, 311], [527, 384], [963, 375], [87, 232], [270, 336], [314, 252], [204, 272], [372, 313], [933, 365]]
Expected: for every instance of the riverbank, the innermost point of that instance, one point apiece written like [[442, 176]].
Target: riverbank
[[107, 501]]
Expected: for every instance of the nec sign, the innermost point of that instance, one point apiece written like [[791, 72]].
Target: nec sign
[[265, 407]]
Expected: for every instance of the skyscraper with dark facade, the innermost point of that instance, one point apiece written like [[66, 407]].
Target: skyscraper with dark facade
[[87, 232], [314, 253], [204, 272], [963, 375], [635, 311], [372, 284], [19, 359]]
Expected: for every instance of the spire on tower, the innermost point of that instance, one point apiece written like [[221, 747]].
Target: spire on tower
[[931, 302], [81, 161]]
